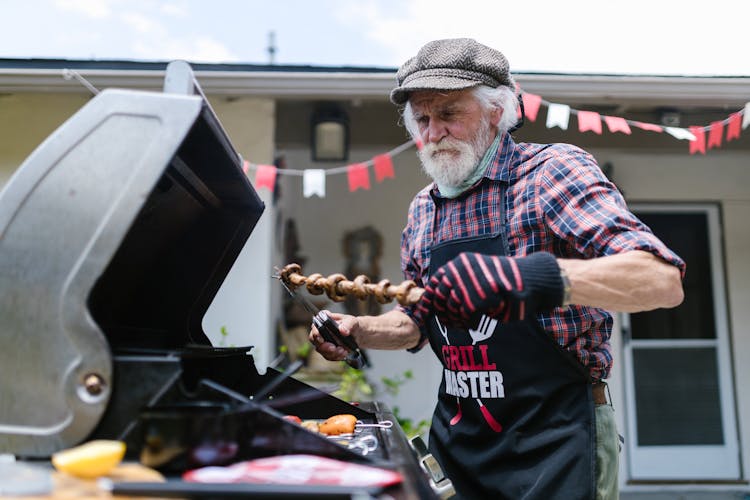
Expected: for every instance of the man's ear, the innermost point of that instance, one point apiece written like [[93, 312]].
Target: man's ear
[[495, 116]]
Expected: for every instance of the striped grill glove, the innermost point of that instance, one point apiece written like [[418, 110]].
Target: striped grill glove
[[508, 288]]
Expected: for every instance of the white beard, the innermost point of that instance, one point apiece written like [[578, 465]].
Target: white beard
[[451, 161]]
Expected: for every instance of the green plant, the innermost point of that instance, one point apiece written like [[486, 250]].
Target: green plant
[[354, 385], [408, 425], [304, 350], [393, 386], [224, 334]]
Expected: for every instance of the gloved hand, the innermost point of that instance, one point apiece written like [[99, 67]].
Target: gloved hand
[[509, 288]]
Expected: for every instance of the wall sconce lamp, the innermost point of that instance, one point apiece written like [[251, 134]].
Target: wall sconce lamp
[[669, 117], [330, 135]]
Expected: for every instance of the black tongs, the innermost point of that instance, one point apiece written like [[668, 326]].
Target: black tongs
[[329, 330]]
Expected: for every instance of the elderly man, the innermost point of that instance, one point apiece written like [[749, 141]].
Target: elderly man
[[522, 249]]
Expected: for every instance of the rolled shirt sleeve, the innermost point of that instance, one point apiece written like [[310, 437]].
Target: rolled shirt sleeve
[[581, 207]]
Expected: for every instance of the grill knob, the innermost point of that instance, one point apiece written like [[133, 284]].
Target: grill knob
[[94, 384]]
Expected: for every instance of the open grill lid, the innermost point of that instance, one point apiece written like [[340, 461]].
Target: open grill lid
[[116, 232]]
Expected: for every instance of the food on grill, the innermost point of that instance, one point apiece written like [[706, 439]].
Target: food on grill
[[337, 287], [338, 424], [311, 425], [90, 460], [293, 418]]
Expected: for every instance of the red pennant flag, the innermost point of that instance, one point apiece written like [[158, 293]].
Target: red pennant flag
[[418, 143], [358, 176], [699, 144], [531, 105], [715, 133], [265, 176], [383, 167], [617, 124], [733, 127], [245, 166], [649, 126], [590, 120]]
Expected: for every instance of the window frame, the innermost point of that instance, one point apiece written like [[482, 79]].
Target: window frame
[[687, 462]]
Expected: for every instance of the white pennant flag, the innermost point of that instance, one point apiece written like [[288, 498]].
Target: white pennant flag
[[314, 182], [680, 133], [746, 116], [558, 115]]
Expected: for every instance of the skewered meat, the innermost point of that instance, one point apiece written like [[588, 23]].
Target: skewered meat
[[337, 287]]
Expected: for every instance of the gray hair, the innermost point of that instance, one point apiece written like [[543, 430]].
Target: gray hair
[[489, 98]]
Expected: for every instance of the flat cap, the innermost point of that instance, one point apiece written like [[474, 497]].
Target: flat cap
[[451, 64]]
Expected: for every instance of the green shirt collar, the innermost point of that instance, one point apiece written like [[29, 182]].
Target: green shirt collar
[[477, 173]]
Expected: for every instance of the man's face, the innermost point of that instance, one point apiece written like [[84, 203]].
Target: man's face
[[455, 131]]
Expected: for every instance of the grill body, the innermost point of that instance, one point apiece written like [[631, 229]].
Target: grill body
[[115, 236]]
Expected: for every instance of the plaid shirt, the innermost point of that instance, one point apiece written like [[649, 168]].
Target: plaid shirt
[[557, 200]]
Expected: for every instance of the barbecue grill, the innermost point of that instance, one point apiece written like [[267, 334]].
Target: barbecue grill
[[115, 235]]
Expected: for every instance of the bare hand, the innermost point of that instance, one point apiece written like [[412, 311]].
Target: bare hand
[[347, 325]]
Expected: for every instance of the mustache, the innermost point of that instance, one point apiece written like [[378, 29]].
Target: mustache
[[447, 144]]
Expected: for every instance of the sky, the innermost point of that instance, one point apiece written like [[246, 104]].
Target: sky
[[648, 37]]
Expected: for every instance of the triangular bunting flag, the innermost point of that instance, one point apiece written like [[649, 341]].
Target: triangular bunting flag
[[383, 167], [358, 176], [558, 115], [265, 176], [590, 120], [531, 105], [733, 128], [314, 182], [715, 133], [617, 124], [698, 145], [651, 127], [746, 116], [680, 133]]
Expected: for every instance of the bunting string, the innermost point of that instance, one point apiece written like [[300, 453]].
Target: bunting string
[[558, 115], [313, 179], [700, 139]]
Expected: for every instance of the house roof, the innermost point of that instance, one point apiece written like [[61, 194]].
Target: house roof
[[337, 82]]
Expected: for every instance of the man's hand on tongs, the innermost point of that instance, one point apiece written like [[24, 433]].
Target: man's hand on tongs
[[392, 330], [347, 326]]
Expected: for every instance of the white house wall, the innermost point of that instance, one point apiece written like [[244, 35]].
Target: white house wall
[[737, 241], [26, 120]]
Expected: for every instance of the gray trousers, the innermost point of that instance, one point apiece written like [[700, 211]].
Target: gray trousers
[[607, 453]]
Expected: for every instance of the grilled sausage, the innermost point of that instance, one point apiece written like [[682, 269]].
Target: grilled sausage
[[338, 424]]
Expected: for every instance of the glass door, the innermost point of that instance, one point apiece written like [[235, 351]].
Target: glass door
[[679, 393]]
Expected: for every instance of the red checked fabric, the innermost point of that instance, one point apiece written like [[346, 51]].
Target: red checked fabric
[[296, 470], [558, 201]]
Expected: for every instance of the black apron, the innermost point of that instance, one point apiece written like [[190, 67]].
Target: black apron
[[515, 415]]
